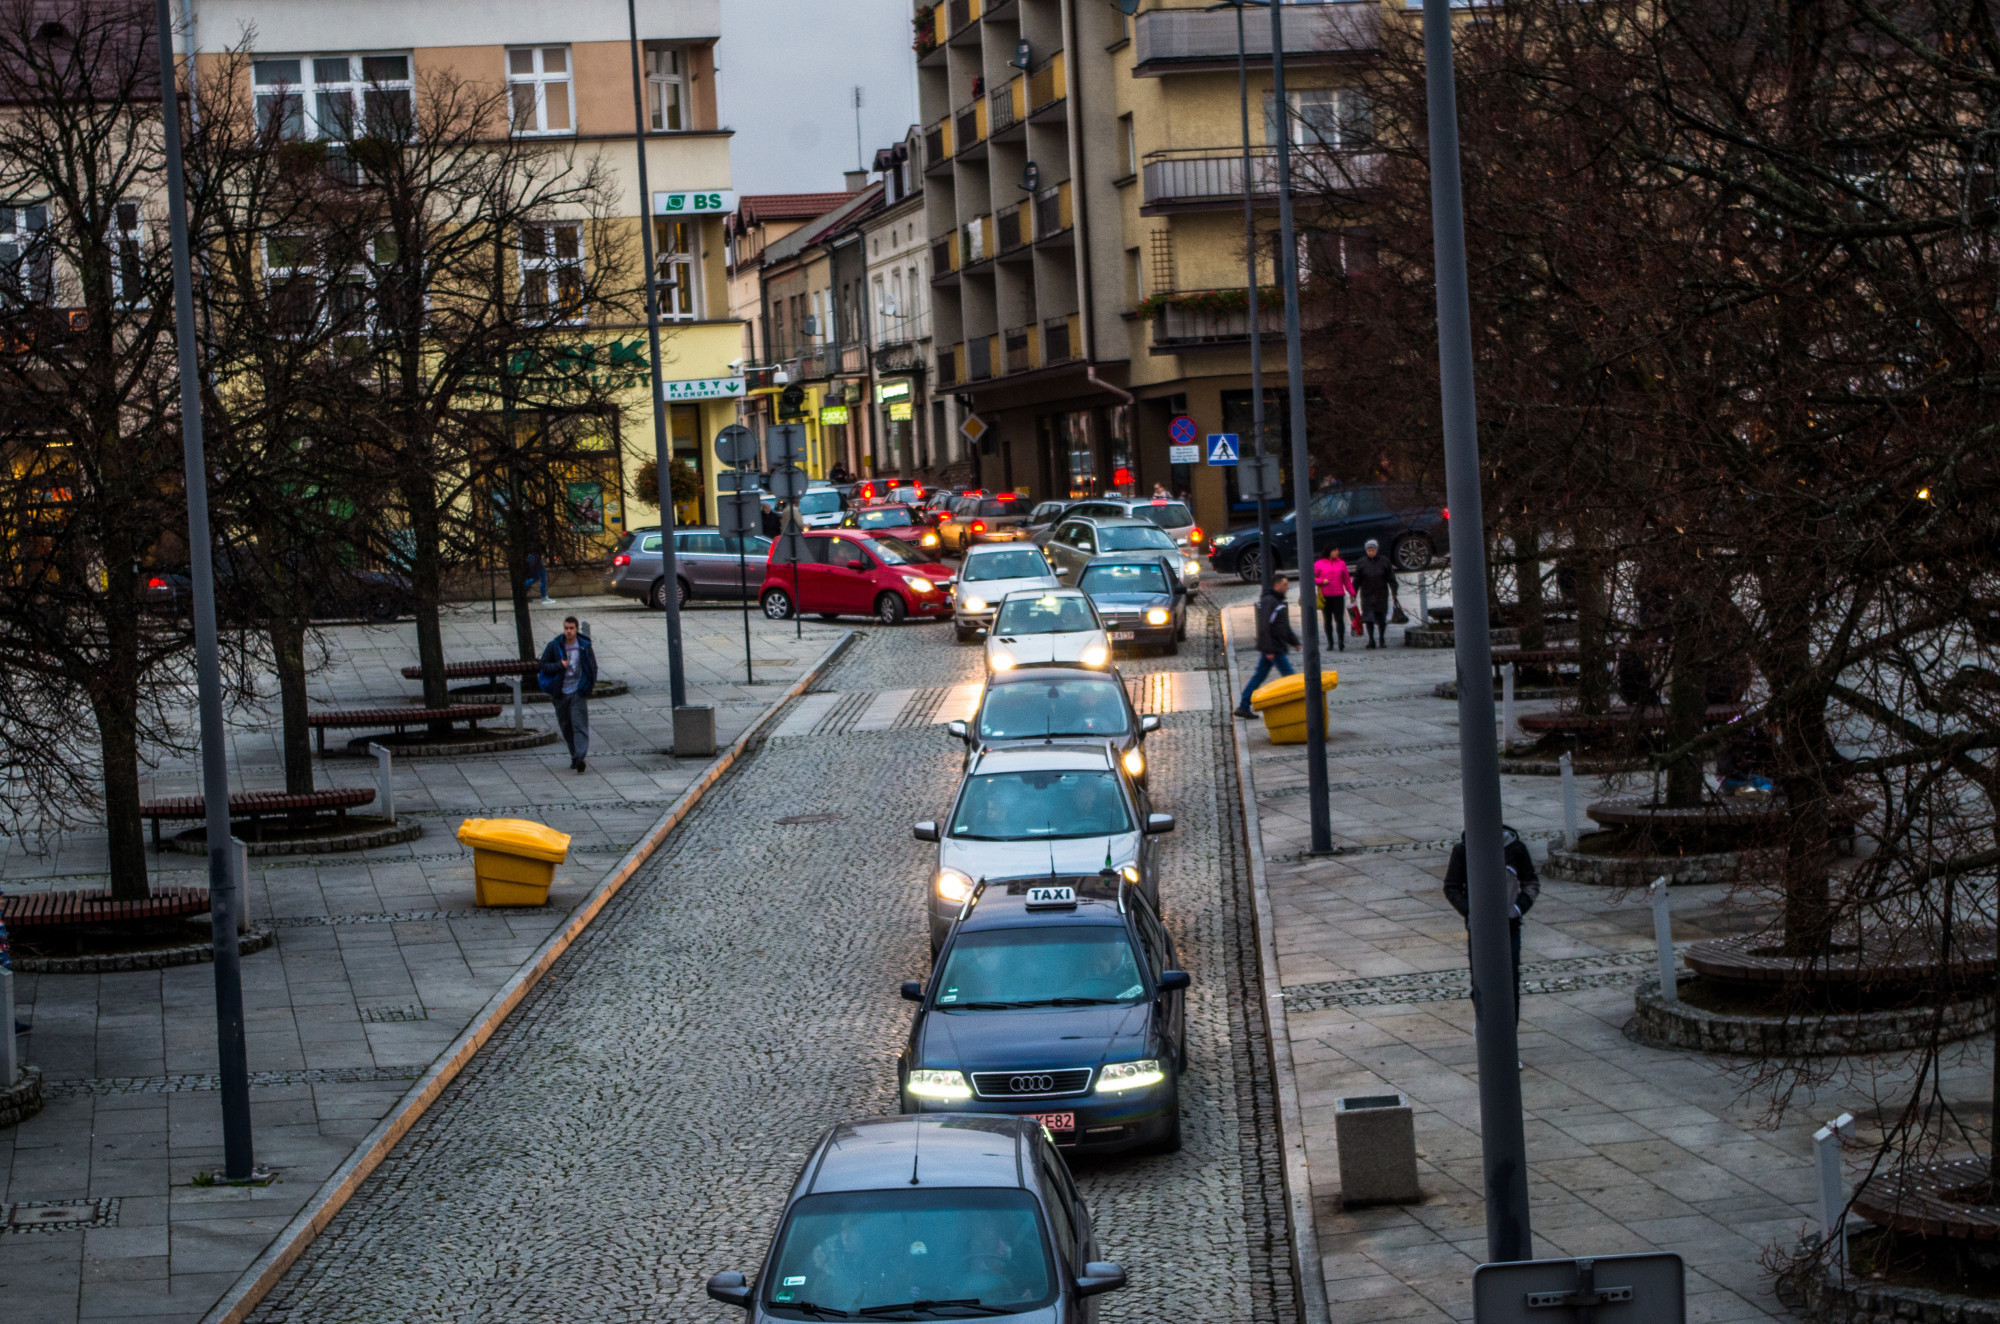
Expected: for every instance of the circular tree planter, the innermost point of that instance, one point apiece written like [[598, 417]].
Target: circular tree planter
[[159, 955], [1932, 1252], [459, 744], [1641, 841], [1684, 1024], [1596, 860], [21, 1099], [359, 832]]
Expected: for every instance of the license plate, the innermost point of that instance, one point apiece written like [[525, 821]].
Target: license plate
[[1120, 636], [1056, 1121]]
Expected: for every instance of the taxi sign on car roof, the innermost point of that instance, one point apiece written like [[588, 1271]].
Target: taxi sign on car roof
[[1045, 897]]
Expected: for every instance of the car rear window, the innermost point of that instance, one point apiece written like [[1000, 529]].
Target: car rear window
[[1166, 514], [1146, 578], [1125, 538], [999, 506]]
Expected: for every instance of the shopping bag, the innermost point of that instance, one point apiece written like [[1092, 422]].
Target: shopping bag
[[1357, 619], [1399, 616]]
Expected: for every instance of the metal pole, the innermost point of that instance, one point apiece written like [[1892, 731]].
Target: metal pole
[[1663, 939], [662, 452], [1288, 271], [10, 1066], [1508, 1236], [1832, 1184], [1570, 835], [239, 1161], [1256, 331]]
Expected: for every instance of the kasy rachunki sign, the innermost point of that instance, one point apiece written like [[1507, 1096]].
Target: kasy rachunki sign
[[703, 388]]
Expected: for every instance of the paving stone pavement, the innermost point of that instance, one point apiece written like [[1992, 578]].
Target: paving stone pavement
[[380, 961], [636, 1124], [1630, 1147]]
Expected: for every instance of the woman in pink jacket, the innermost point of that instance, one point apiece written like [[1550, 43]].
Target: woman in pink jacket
[[1336, 585]]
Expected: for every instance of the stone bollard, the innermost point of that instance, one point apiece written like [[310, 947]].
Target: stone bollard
[[1507, 728], [1376, 1136], [10, 1064], [514, 683], [1570, 834], [694, 732], [385, 782], [1423, 601], [1663, 938], [1832, 1182]]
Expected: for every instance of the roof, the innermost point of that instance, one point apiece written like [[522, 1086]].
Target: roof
[[851, 207], [1075, 757], [757, 207], [940, 1149]]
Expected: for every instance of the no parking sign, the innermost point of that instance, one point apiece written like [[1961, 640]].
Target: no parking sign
[[1182, 447]]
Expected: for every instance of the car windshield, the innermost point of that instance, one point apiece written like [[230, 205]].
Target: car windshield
[[1125, 538], [822, 502], [912, 553], [1147, 578], [1007, 563], [852, 1251], [1079, 707], [1028, 806], [888, 551], [1044, 965], [1166, 514], [884, 517], [1045, 614]]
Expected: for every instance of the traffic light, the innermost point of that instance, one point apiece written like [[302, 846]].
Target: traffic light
[[792, 402]]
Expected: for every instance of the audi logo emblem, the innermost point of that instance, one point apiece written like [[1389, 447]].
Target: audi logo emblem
[[1031, 1084]]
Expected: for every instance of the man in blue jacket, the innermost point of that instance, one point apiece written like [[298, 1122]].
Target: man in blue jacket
[[569, 670]]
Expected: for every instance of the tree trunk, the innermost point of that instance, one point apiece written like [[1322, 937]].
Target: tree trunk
[[1804, 753], [1528, 586], [288, 652], [419, 501], [1593, 655], [517, 565], [1687, 701], [117, 711]]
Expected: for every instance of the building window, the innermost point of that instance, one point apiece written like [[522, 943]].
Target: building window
[[675, 250], [539, 86], [290, 284], [27, 262], [552, 270], [1131, 136], [128, 237], [1331, 117], [333, 96], [666, 88]]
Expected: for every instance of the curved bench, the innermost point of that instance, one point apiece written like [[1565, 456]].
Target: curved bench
[[257, 806], [492, 671], [1620, 719], [28, 910], [398, 720]]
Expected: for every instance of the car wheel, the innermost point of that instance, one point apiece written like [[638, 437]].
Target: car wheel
[[777, 604], [1173, 647], [1181, 633], [1170, 1143], [889, 609], [381, 609], [1250, 565], [965, 636], [1412, 551]]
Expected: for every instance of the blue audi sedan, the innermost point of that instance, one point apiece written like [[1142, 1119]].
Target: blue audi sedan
[[1055, 998]]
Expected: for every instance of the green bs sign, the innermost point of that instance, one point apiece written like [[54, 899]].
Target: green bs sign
[[697, 202]]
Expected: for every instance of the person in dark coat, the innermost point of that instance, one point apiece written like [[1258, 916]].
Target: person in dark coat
[[568, 673], [771, 521], [1527, 886], [1375, 584], [1275, 639]]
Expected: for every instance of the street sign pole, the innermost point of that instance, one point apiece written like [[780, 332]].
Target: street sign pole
[[1508, 1236], [736, 446], [1256, 339]]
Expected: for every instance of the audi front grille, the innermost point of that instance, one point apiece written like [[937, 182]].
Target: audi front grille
[[1030, 1084]]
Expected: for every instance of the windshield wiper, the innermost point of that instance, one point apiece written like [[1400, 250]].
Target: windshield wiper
[[1069, 1002], [980, 1006], [965, 1303], [812, 1308]]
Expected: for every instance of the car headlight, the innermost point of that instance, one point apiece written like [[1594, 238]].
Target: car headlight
[[1131, 873], [929, 540], [927, 1084], [1116, 1077], [920, 583], [1194, 569], [1224, 540], [1156, 616], [1096, 655], [1135, 762], [972, 604], [1003, 661], [952, 886]]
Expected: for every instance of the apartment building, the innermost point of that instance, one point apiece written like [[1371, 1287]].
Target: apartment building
[[919, 435], [1084, 194], [318, 65]]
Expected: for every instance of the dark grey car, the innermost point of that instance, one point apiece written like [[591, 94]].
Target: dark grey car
[[1081, 539], [707, 565]]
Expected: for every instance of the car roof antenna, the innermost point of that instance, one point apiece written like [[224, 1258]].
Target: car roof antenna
[[916, 1150]]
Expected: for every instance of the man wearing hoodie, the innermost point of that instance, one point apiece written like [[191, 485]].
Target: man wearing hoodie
[[568, 672], [1275, 638]]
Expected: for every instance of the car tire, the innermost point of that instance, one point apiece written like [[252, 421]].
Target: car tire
[[777, 604], [965, 636], [1173, 647], [1412, 551], [1250, 565], [890, 609], [1181, 633], [380, 609], [1170, 1143]]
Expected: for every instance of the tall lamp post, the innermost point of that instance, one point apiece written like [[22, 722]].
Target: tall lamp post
[[1490, 892], [662, 453], [224, 905]]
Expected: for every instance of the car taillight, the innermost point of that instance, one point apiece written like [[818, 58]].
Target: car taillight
[[1444, 512], [979, 526], [620, 559], [1194, 534], [156, 582]]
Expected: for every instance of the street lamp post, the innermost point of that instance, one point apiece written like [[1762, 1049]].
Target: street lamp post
[[1256, 331], [1489, 889], [224, 905]]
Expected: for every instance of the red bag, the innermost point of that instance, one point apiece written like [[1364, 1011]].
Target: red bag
[[1357, 619]]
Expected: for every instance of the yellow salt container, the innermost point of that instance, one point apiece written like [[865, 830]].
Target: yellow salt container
[[513, 860], [1282, 704]]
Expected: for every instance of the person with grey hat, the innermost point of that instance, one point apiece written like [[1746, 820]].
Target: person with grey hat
[[1375, 584]]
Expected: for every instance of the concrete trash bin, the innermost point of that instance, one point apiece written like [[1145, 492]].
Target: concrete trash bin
[[513, 860], [1282, 703], [1377, 1139]]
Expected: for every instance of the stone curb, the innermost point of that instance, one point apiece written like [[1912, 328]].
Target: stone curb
[[195, 841], [264, 1272], [22, 1099], [1568, 866], [1662, 1024], [358, 747], [1307, 1270], [164, 958], [1852, 1302]]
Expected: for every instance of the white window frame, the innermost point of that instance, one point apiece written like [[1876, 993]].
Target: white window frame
[[666, 89], [24, 248], [1336, 118], [316, 93], [542, 271], [542, 87], [677, 254]]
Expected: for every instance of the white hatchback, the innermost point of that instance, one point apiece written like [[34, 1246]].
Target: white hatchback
[[1047, 627], [989, 573]]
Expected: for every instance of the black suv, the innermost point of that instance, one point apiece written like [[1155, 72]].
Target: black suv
[[1410, 526]]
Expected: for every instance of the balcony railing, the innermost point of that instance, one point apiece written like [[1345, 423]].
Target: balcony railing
[[1047, 84], [978, 234], [958, 13], [944, 256], [979, 358], [907, 329], [951, 365], [1195, 177], [970, 123], [1010, 103], [1052, 210], [1191, 324], [937, 142], [853, 358], [1059, 339], [1021, 349], [1016, 225], [1165, 37]]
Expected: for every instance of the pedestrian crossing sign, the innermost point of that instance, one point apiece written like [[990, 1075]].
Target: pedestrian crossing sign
[[1222, 448]]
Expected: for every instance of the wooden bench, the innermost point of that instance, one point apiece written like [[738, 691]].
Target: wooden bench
[[493, 671], [28, 910], [398, 720], [1620, 719], [257, 806]]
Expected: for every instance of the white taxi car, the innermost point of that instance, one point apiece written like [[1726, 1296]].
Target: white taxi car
[[1047, 627]]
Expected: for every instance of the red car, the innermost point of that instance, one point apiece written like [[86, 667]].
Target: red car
[[892, 521], [849, 573]]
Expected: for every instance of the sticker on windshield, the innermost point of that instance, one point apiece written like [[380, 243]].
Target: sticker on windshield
[[1038, 897], [797, 1280]]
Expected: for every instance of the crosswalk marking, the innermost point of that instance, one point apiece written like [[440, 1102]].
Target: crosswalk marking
[[834, 713], [960, 703], [805, 714], [882, 713], [1171, 692]]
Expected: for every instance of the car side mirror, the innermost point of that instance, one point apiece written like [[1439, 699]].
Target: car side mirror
[[730, 1289], [857, 565], [913, 990], [1099, 1276], [1171, 981], [1149, 724], [959, 729], [928, 830], [1158, 823]]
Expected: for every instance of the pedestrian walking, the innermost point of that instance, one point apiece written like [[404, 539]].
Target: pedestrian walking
[[538, 576], [1335, 582], [1375, 584], [1527, 886], [1275, 638], [568, 673]]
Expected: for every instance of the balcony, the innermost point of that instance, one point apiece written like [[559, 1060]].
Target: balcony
[[1021, 349], [979, 358], [1192, 318], [1052, 212], [901, 355], [969, 123], [1207, 178], [1059, 339], [951, 365], [937, 145], [853, 358], [958, 15], [944, 256], [1016, 225], [1194, 41], [1047, 84], [978, 240], [1009, 105]]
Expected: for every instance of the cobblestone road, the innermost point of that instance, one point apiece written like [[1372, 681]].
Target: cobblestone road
[[636, 1124]]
